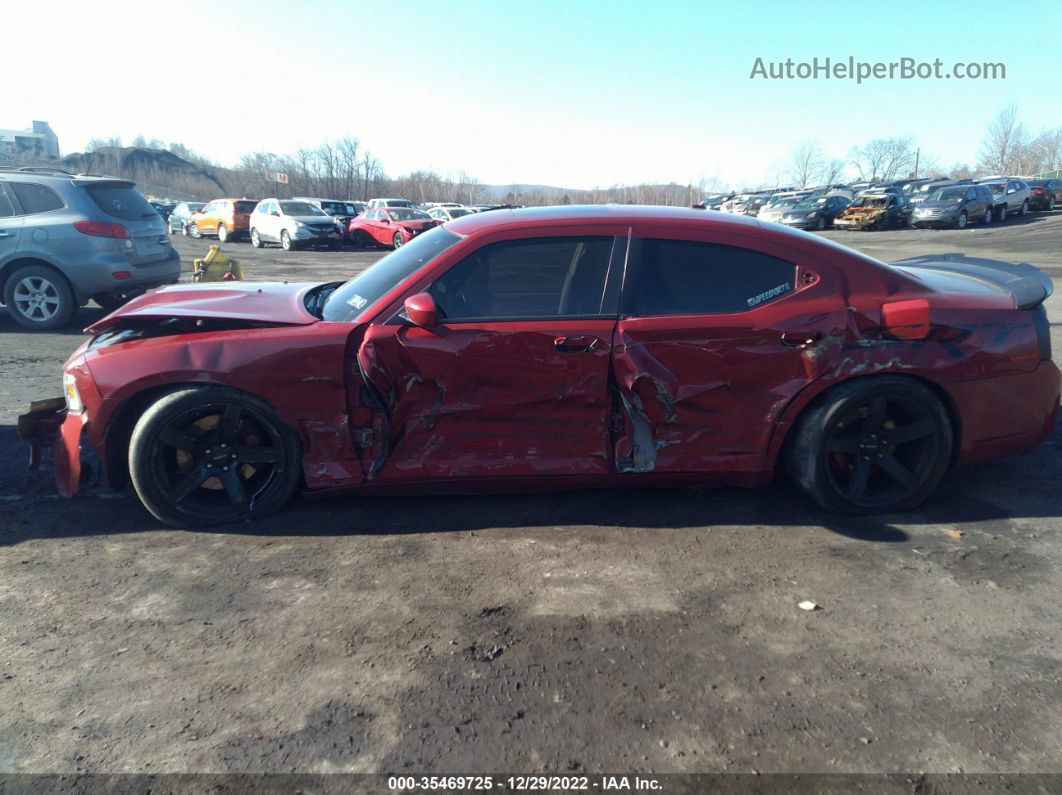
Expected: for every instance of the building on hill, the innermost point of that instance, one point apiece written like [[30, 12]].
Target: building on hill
[[39, 141]]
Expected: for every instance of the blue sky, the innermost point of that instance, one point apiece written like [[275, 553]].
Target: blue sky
[[573, 93]]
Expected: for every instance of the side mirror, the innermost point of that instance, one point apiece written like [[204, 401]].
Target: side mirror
[[385, 220], [421, 310]]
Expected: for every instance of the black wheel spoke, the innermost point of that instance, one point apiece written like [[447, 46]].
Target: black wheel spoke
[[178, 439], [234, 487], [230, 421], [908, 433], [876, 417], [897, 471], [848, 445], [259, 455], [857, 485], [189, 483]]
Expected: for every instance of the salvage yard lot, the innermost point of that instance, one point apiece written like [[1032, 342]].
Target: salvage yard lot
[[629, 630]]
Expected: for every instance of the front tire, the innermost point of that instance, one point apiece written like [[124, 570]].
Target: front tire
[[1001, 213], [397, 241], [988, 216], [960, 222], [874, 445], [1024, 208], [820, 224], [210, 455], [193, 231], [39, 298], [256, 241], [286, 242]]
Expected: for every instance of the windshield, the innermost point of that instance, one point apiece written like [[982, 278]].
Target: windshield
[[300, 208], [781, 204], [365, 289], [810, 204], [947, 195], [402, 214], [996, 187], [338, 208], [399, 203]]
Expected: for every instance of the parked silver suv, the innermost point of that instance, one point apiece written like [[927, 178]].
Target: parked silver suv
[[66, 239]]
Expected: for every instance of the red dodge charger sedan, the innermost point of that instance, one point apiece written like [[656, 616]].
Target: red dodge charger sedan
[[562, 348]]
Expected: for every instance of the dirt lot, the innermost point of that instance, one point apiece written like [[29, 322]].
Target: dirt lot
[[607, 631]]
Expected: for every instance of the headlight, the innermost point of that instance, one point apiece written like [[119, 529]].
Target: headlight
[[73, 399]]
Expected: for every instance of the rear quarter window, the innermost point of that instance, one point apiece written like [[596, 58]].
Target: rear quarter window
[[121, 201], [681, 277], [37, 198]]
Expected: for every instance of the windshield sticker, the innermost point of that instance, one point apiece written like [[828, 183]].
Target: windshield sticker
[[357, 301], [774, 291]]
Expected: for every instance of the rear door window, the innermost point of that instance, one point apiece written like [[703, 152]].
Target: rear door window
[[38, 199], [121, 201], [6, 208], [684, 277], [245, 206]]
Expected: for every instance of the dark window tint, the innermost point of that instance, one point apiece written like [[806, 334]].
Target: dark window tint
[[538, 278], [39, 199], [121, 201], [6, 209], [680, 277], [245, 207]]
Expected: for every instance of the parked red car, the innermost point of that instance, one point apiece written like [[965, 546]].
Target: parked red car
[[389, 226], [563, 348]]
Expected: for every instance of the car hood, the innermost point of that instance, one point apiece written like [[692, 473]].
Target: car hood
[[259, 302], [799, 213], [939, 206], [312, 219]]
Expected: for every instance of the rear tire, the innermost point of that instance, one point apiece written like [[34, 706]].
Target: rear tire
[[873, 445], [223, 233], [210, 455], [39, 298]]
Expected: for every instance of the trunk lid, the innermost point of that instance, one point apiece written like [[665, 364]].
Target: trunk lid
[[1026, 284]]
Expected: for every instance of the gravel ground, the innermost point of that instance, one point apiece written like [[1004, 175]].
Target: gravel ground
[[601, 631]]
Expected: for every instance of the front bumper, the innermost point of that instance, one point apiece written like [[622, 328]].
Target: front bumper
[[49, 427], [940, 221]]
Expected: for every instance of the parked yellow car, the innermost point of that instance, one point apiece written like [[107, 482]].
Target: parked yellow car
[[225, 219]]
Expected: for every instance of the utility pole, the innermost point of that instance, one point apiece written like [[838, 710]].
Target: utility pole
[[918, 152]]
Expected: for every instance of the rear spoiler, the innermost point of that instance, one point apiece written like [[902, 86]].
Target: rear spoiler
[[1029, 285]]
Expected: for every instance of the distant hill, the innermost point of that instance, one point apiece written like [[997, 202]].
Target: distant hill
[[498, 193], [155, 171]]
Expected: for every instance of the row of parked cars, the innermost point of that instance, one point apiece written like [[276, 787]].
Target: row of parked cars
[[305, 221], [934, 202]]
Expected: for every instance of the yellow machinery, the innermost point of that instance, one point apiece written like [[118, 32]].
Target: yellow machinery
[[216, 267]]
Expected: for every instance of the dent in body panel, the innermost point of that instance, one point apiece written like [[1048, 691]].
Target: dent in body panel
[[489, 401]]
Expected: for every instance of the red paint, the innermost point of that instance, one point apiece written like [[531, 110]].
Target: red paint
[[380, 226], [581, 402], [907, 320]]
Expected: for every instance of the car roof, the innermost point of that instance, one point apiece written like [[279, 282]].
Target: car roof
[[590, 214]]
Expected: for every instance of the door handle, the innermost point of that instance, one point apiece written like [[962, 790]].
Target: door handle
[[5, 234], [795, 339], [576, 344]]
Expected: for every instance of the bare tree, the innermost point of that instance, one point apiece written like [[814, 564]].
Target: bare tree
[[832, 171], [884, 158], [805, 163], [1004, 142]]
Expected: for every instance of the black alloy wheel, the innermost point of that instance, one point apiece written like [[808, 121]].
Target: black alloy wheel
[[210, 455]]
